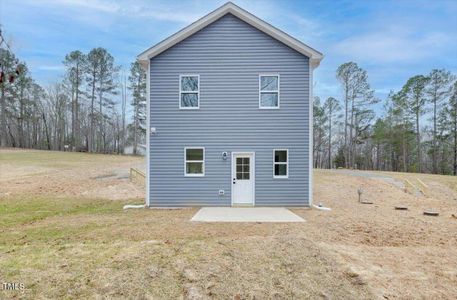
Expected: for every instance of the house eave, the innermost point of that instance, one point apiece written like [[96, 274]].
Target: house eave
[[314, 55]]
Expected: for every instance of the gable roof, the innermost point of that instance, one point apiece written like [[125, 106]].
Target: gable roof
[[314, 55]]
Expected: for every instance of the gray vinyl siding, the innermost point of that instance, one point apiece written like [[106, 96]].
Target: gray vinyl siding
[[228, 55]]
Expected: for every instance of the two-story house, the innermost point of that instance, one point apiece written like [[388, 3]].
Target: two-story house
[[229, 114]]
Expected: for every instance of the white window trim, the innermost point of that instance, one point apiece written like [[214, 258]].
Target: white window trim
[[281, 163], [197, 161], [189, 92], [276, 91]]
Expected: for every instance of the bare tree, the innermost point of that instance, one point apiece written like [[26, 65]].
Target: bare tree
[[452, 114], [331, 109], [124, 108]]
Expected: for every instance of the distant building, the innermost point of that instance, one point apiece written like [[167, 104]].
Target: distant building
[[141, 150]]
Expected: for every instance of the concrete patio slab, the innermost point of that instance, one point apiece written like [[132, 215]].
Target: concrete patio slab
[[245, 214]]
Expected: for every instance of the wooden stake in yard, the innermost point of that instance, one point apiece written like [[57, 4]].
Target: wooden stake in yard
[[410, 184], [424, 188]]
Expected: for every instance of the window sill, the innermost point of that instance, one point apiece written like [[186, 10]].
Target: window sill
[[189, 108], [268, 107]]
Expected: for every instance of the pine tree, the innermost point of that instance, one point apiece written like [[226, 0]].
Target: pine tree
[[75, 63], [8, 63], [439, 87], [412, 99], [107, 87], [92, 78], [137, 80], [357, 96], [380, 138]]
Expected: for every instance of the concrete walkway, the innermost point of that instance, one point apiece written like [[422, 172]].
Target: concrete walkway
[[245, 214]]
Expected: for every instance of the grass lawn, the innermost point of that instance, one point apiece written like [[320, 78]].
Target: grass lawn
[[77, 246], [73, 248], [76, 242]]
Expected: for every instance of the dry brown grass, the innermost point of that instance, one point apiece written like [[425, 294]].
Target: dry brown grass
[[161, 254], [401, 254], [441, 187], [64, 174], [70, 244]]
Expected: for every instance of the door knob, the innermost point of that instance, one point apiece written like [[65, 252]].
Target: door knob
[[234, 180]]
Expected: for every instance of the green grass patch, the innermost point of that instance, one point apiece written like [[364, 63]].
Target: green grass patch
[[17, 211], [56, 159], [40, 220]]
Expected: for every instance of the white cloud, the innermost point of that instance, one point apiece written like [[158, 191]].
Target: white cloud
[[50, 67], [109, 7], [393, 44], [322, 87], [147, 9], [307, 26], [162, 14]]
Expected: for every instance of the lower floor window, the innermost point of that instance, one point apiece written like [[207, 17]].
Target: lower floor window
[[281, 163], [194, 161]]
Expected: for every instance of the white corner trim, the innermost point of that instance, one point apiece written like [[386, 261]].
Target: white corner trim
[[311, 129], [148, 131], [314, 55]]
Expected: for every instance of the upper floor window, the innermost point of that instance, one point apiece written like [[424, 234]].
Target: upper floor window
[[189, 91], [268, 91]]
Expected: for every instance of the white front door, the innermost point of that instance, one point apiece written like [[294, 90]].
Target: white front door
[[243, 178]]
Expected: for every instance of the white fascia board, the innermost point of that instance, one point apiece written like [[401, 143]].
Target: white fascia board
[[314, 55]]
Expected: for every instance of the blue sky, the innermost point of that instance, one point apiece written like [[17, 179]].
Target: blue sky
[[392, 40]]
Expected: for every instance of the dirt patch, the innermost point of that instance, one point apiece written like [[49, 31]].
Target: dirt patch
[[402, 272], [400, 254], [10, 171], [61, 239], [161, 254], [90, 176]]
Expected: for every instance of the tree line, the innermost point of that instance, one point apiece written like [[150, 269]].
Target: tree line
[[85, 110], [414, 131]]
